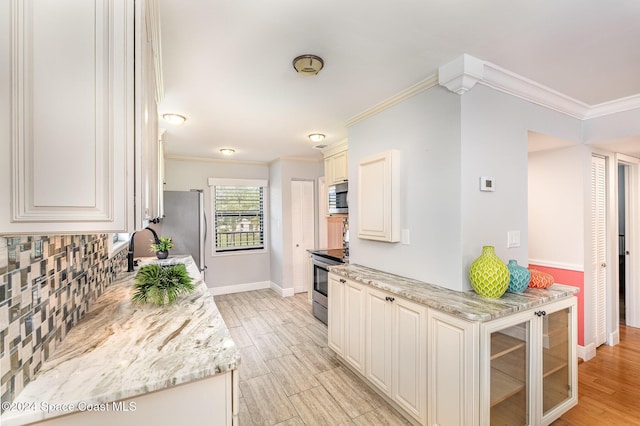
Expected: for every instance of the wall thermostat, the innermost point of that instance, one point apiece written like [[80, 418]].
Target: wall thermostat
[[487, 184]]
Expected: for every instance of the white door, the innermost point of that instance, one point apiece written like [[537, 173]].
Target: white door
[[598, 247], [302, 230]]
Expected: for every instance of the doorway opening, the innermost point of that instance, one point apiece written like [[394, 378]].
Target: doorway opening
[[623, 174]]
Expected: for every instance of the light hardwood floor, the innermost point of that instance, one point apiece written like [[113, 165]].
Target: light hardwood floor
[[288, 375], [609, 385]]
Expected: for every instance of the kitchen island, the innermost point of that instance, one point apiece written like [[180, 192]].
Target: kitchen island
[[138, 364]]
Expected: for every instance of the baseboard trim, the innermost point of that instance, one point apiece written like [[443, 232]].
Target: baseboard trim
[[239, 288], [614, 338], [284, 292], [587, 352]]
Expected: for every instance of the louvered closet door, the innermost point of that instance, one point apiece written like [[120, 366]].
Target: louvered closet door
[[598, 246]]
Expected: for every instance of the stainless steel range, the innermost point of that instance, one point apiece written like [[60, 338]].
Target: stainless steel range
[[322, 260]]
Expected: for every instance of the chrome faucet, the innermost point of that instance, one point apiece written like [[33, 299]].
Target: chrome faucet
[[130, 262]]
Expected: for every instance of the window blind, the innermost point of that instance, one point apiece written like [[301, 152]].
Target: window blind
[[239, 217]]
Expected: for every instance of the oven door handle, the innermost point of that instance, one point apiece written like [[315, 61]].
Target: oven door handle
[[323, 265]]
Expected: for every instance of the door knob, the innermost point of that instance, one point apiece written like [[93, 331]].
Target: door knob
[[604, 265]]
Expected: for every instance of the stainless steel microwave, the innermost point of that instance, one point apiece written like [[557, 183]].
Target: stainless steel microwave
[[338, 198]]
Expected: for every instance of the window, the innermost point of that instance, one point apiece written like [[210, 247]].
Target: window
[[238, 214]]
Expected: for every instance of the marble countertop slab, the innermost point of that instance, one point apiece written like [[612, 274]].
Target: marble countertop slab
[[120, 350], [467, 305]]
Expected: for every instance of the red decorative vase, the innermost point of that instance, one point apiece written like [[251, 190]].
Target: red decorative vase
[[540, 279]]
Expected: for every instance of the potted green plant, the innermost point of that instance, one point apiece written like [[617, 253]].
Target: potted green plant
[[161, 284], [162, 247]]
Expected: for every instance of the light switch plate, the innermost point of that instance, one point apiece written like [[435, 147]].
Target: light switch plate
[[405, 237], [487, 184], [513, 239]]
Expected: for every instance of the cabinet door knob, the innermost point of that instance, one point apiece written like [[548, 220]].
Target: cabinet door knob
[[389, 299], [541, 313], [342, 280]]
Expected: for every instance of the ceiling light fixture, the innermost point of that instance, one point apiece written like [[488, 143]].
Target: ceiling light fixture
[[176, 119], [308, 64], [316, 137], [227, 151]]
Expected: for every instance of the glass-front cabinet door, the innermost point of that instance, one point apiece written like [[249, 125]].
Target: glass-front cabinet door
[[529, 373], [509, 375], [559, 375]]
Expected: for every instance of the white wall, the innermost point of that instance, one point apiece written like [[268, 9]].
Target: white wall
[[282, 172], [614, 126], [426, 130], [228, 269], [557, 192], [447, 142], [495, 143]]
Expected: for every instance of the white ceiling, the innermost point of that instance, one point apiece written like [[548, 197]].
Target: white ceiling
[[227, 63]]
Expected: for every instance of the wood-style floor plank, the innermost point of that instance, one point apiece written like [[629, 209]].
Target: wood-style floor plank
[[609, 385]]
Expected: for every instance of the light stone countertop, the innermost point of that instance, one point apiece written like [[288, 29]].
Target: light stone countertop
[[120, 350], [467, 305]]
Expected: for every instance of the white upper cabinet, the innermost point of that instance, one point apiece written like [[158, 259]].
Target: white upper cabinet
[[379, 197], [68, 116], [336, 163]]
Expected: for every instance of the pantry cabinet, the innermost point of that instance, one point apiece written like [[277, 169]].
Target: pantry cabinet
[[73, 161]]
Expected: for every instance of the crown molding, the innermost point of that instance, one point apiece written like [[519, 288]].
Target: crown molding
[[464, 72], [214, 160], [461, 74], [335, 148], [612, 107], [417, 88]]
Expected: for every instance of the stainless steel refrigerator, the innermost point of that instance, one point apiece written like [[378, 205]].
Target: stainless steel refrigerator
[[185, 222]]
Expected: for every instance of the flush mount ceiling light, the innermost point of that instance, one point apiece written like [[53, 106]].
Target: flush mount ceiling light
[[227, 151], [176, 119], [316, 137], [308, 64]]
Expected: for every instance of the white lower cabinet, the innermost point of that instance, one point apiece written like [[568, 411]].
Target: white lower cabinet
[[346, 320], [442, 369], [528, 361], [354, 314], [335, 314], [409, 357], [452, 370], [396, 354]]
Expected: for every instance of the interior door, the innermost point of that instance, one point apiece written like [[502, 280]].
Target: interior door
[[302, 230], [598, 247]]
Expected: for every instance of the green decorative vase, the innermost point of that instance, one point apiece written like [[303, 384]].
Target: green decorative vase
[[489, 276]]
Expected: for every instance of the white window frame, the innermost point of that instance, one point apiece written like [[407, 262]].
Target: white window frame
[[213, 182]]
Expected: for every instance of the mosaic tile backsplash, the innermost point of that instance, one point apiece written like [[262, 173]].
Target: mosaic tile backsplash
[[47, 284]]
